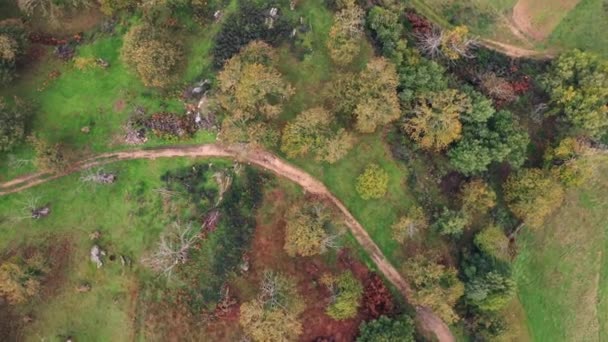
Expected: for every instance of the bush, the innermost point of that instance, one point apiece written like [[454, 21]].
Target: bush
[[372, 183]]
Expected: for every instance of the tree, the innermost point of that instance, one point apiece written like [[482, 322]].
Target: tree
[[346, 295], [173, 248], [419, 75], [49, 157], [532, 195], [493, 241], [337, 147], [12, 123], [409, 225], [477, 197], [450, 222], [451, 44], [372, 183], [386, 329], [491, 292], [154, 56], [499, 139], [248, 23], [345, 34], [369, 99], [273, 315], [577, 83], [251, 91], [387, 29], [311, 132], [50, 9], [489, 283], [434, 121], [378, 102], [308, 231], [307, 133], [20, 278], [13, 40], [435, 286]]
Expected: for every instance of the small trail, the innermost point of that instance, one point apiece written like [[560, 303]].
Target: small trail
[[266, 160]]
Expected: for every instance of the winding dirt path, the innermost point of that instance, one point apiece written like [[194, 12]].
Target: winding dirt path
[[426, 319]]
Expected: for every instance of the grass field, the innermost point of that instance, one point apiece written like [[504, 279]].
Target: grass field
[[584, 28], [562, 268]]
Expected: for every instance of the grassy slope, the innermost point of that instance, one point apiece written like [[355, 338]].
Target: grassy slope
[[585, 28], [562, 268]]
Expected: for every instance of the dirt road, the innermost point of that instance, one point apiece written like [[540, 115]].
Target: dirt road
[[266, 160]]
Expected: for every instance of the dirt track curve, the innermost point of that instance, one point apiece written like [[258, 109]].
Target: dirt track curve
[[266, 160]]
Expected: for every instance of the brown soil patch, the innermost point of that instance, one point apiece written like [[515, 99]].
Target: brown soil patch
[[538, 18], [119, 105]]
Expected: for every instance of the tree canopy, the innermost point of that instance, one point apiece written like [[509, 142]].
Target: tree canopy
[[578, 86], [435, 286], [532, 195], [434, 120], [384, 329], [273, 315], [345, 34], [347, 292], [13, 120], [372, 183], [13, 41], [153, 55], [309, 230]]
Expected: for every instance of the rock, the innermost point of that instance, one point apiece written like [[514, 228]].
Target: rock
[[85, 129], [96, 255], [95, 235], [102, 63], [39, 213], [84, 287]]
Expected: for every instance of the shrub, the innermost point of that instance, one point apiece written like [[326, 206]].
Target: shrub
[[372, 183]]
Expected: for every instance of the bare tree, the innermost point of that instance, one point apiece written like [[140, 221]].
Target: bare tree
[[429, 42], [172, 249]]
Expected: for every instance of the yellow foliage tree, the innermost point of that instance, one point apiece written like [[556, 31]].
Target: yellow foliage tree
[[346, 33], [409, 225], [532, 195], [434, 121], [435, 286]]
